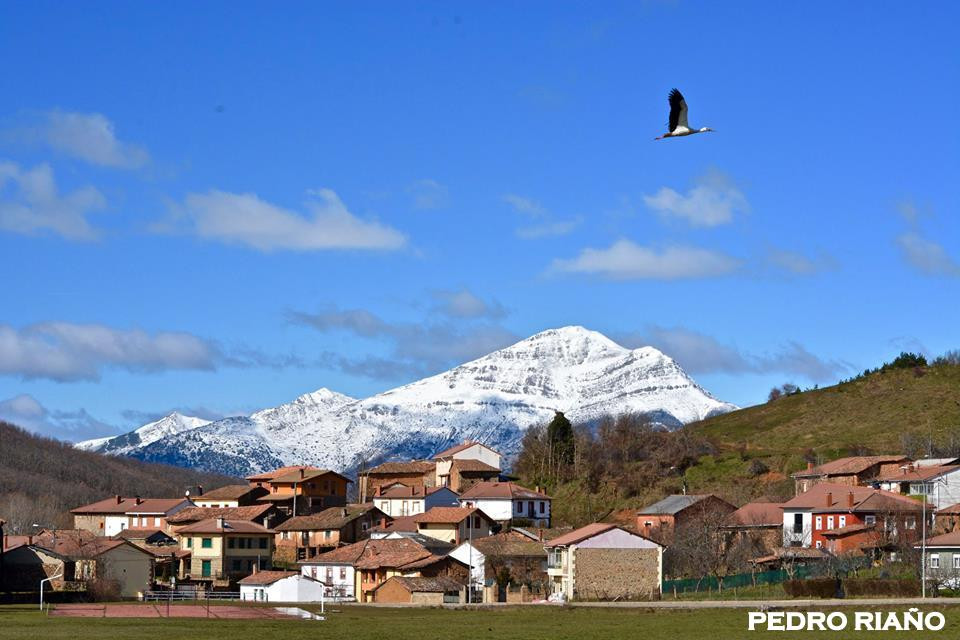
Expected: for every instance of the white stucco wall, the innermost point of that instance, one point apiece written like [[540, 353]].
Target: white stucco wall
[[477, 561], [788, 535], [337, 586]]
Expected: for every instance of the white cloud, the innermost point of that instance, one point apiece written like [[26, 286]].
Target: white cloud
[[624, 260], [65, 352], [26, 412], [712, 201], [30, 203], [700, 353], [525, 205], [245, 219], [91, 137], [463, 303], [927, 256], [428, 194], [417, 349], [558, 228], [799, 264]]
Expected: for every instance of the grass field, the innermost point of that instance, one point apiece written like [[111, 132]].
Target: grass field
[[366, 623]]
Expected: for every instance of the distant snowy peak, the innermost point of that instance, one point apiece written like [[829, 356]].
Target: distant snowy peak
[[493, 399], [169, 425]]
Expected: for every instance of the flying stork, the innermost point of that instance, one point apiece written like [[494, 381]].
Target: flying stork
[[678, 118]]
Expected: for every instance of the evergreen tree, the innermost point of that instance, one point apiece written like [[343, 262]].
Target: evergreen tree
[[560, 437]]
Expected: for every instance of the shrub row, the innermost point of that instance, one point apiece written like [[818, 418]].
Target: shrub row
[[851, 587]]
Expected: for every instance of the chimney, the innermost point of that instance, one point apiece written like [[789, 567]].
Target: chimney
[[199, 489], [119, 499], [220, 523], [378, 491], [809, 466], [383, 522], [255, 568], [30, 539], [540, 534], [138, 500], [343, 512], [829, 498], [301, 473], [850, 500]]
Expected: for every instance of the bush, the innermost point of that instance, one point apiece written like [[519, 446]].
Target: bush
[[881, 587], [757, 468], [103, 590], [812, 588]]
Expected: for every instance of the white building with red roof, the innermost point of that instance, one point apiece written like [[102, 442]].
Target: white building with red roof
[[508, 502], [111, 516], [460, 466], [400, 500]]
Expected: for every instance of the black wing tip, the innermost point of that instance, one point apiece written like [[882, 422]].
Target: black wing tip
[[675, 92]]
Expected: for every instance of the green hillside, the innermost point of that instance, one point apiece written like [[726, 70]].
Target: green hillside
[[883, 412]]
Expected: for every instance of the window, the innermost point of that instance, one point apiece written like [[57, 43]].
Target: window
[[329, 576], [819, 523], [819, 544], [156, 522], [263, 543], [476, 522], [207, 543], [385, 507], [956, 561], [829, 522], [871, 520], [798, 523], [285, 535], [910, 522], [543, 507], [327, 534], [189, 543], [935, 561], [843, 521], [343, 573], [519, 507], [364, 525], [230, 543]]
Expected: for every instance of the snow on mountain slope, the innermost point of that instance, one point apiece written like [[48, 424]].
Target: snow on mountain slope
[[493, 399], [170, 425]]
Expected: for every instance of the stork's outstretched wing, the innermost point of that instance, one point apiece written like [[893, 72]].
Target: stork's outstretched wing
[[678, 110]]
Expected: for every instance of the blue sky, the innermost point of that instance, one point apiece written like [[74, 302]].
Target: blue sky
[[218, 207]]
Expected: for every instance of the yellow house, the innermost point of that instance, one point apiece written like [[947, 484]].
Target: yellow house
[[223, 551], [455, 525]]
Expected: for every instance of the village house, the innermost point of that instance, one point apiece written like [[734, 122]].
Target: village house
[[400, 500], [756, 527], [262, 514], [231, 495], [842, 518], [280, 586], [223, 551], [662, 520], [77, 556], [942, 559], [110, 516], [422, 590], [947, 520], [415, 473], [454, 524], [303, 537], [353, 572], [463, 465], [514, 557], [508, 502], [301, 490], [853, 471], [602, 561], [939, 484]]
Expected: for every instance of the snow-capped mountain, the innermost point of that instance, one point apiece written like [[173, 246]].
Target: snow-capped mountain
[[170, 425], [493, 399]]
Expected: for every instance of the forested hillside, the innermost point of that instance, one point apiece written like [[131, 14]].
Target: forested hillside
[[42, 479]]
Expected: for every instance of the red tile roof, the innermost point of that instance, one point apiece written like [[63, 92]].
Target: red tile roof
[[448, 515], [951, 510], [413, 467], [119, 504], [330, 518], [918, 474], [399, 523], [266, 476], [827, 496], [951, 539], [848, 466], [424, 585], [228, 492], [266, 577], [473, 466], [376, 553], [847, 530], [501, 490], [757, 514], [212, 525], [457, 449], [581, 534], [195, 514], [297, 476]]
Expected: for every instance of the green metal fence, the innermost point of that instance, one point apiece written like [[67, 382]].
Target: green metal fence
[[710, 583]]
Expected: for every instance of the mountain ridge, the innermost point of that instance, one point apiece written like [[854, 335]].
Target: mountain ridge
[[493, 399]]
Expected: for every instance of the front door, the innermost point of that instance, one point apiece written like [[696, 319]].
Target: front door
[[205, 568]]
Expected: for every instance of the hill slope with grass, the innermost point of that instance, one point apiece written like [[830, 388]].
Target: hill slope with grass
[[42, 479], [886, 411]]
